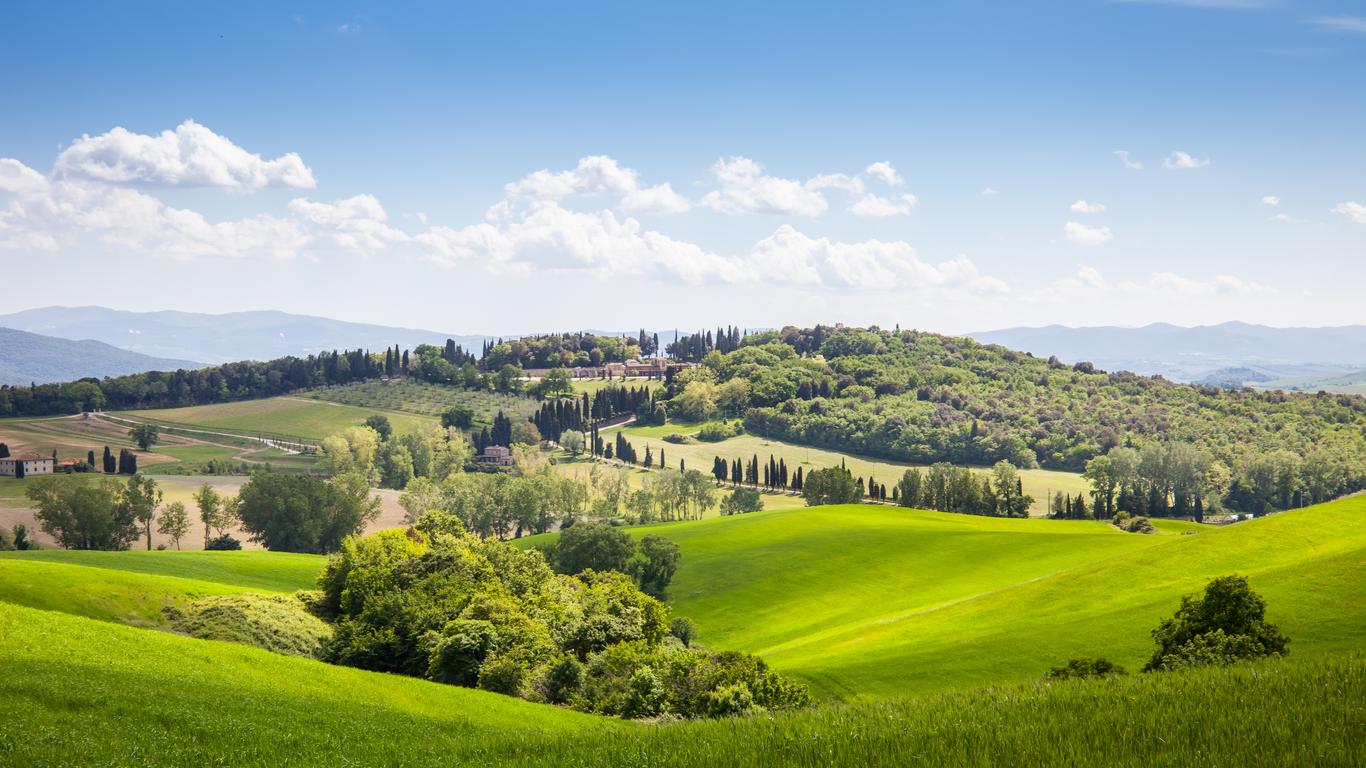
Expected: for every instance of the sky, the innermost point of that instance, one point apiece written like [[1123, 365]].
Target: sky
[[516, 167]]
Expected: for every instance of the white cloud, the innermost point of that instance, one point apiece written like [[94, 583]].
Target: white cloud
[[1354, 24], [793, 257], [841, 181], [872, 206], [1088, 282], [1168, 282], [1352, 210], [1086, 235], [1271, 200], [191, 156], [1181, 161], [884, 172], [1082, 206], [990, 192], [600, 175], [1128, 162], [743, 187]]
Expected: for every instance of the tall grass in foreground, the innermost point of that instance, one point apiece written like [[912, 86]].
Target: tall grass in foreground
[[81, 692]]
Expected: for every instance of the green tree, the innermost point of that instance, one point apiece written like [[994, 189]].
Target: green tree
[[833, 485], [1226, 624], [141, 497], [145, 435], [174, 523], [380, 423], [741, 501], [572, 440], [457, 416], [300, 513], [653, 565], [594, 546], [210, 506], [83, 515]]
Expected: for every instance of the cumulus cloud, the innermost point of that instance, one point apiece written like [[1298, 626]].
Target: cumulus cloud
[[1352, 210], [1182, 161], [1271, 200], [1083, 206], [600, 175], [190, 156], [1128, 162], [884, 172], [1087, 235], [841, 181], [876, 207], [743, 187]]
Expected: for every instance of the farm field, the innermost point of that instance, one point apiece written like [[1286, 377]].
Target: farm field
[[698, 455], [66, 673], [592, 386], [424, 399], [872, 600], [288, 415]]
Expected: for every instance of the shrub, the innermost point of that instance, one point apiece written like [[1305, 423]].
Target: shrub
[[1085, 668], [224, 542], [683, 628], [716, 431], [279, 623], [677, 438], [729, 701], [1132, 523], [1227, 624], [742, 500], [503, 674], [563, 680]]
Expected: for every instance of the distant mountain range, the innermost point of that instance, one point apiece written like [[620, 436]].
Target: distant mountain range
[[1230, 354], [30, 358], [215, 339]]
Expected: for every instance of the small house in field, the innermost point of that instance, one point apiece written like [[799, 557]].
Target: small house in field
[[26, 465], [496, 454]]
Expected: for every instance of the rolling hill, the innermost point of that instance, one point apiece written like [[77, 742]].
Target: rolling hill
[[31, 358], [863, 600], [215, 339], [1189, 354]]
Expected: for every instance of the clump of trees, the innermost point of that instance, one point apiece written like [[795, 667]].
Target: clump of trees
[[651, 562], [301, 513], [437, 602], [106, 514], [947, 488], [741, 501], [833, 485], [1226, 624]]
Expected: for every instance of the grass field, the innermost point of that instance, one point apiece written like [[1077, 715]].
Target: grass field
[[868, 600], [297, 416], [424, 399], [80, 692], [592, 386], [1037, 482]]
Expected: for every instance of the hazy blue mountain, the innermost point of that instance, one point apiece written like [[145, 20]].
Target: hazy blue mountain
[[1190, 354], [31, 358], [223, 338]]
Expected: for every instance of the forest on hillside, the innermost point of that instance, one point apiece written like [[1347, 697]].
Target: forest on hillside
[[922, 397]]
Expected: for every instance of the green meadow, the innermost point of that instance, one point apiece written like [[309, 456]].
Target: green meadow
[[865, 600], [82, 692], [294, 416]]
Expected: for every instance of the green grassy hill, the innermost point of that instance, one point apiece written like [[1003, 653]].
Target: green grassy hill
[[80, 692], [864, 600]]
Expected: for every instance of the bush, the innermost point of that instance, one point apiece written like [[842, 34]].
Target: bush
[[503, 674], [677, 438], [279, 623], [563, 680], [1085, 668], [1225, 625], [223, 543], [1132, 523], [716, 431], [683, 628], [729, 701], [740, 501]]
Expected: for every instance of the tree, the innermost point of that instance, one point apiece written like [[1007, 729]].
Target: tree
[[140, 497], [380, 423], [300, 513], [595, 546], [175, 523], [109, 466], [21, 540], [741, 501], [210, 510], [833, 485], [572, 440], [83, 515], [145, 435], [1227, 624], [653, 565], [458, 416]]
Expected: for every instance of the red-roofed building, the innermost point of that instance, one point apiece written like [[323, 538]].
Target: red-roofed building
[[33, 464]]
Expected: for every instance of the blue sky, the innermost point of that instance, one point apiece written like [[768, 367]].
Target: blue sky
[[950, 166]]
